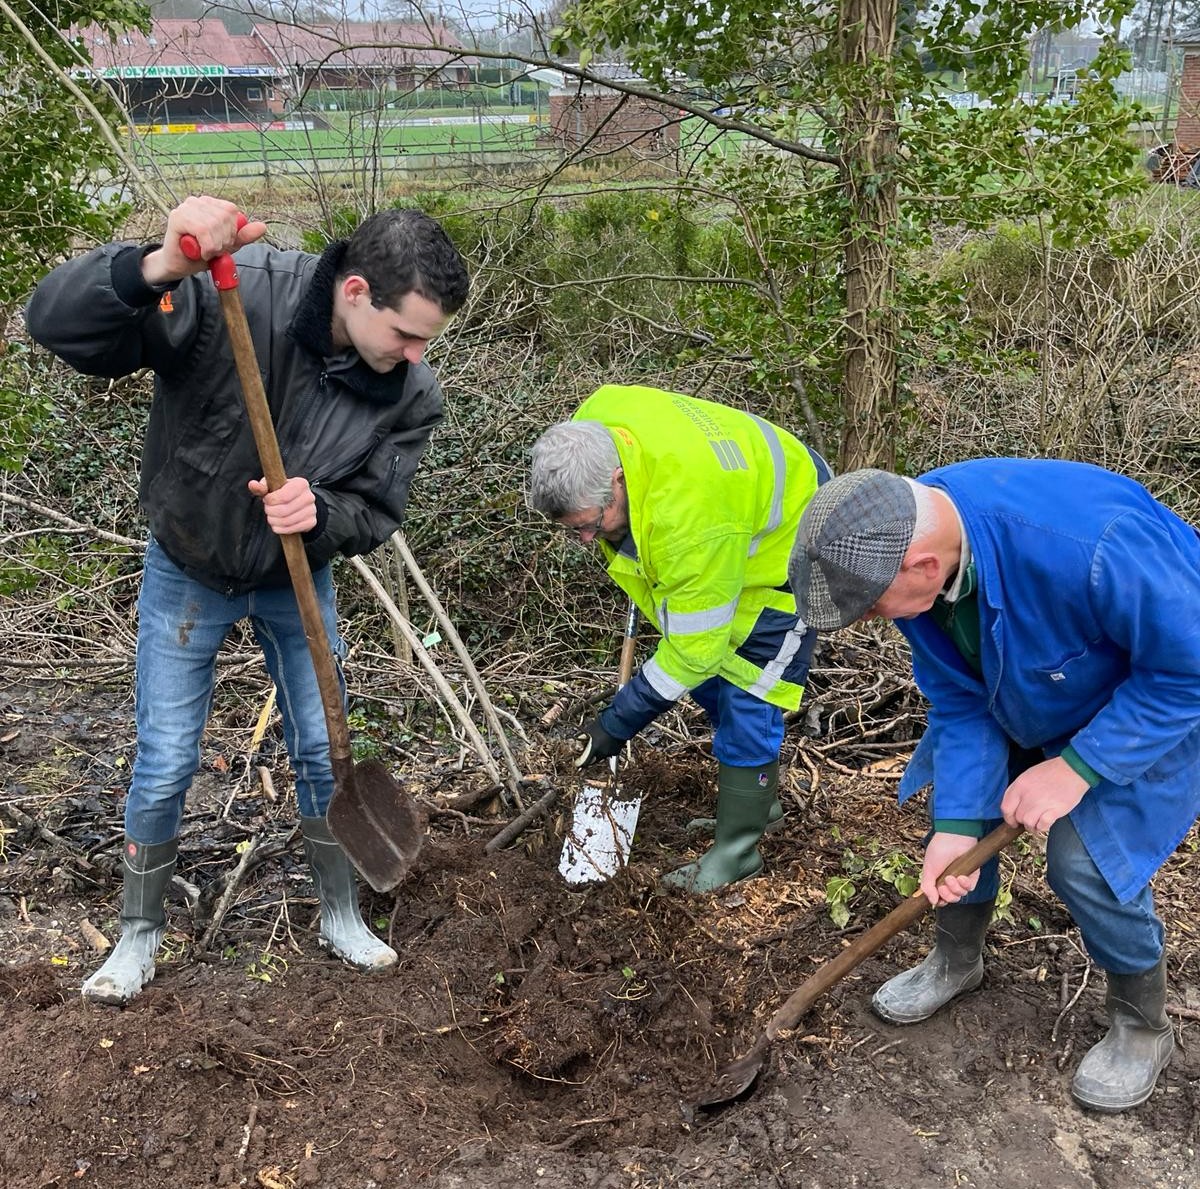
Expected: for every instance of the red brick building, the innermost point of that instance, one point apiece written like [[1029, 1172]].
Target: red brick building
[[1187, 121], [590, 115], [367, 55]]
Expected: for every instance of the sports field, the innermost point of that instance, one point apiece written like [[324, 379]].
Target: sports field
[[178, 146]]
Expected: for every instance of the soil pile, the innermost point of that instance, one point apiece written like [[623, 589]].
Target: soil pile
[[533, 1035]]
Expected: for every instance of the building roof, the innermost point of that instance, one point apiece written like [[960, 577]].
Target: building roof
[[172, 43], [205, 46], [362, 44]]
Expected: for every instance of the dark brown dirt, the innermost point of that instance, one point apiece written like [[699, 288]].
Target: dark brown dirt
[[535, 1036]]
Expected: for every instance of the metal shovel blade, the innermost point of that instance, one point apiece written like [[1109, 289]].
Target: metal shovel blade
[[601, 833], [734, 1079], [376, 822], [604, 818]]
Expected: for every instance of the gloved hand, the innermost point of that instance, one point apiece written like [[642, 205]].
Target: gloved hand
[[597, 745]]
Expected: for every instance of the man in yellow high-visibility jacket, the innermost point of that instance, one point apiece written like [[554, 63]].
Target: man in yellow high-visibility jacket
[[695, 507]]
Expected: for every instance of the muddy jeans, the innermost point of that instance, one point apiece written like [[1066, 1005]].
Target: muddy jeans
[[181, 626]]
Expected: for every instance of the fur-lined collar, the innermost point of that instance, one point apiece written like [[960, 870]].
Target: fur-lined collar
[[312, 329]]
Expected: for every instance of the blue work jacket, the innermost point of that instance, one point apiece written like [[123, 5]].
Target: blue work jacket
[[1089, 609]]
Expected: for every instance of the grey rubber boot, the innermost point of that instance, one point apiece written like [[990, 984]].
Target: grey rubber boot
[[148, 872], [953, 967], [1120, 1071], [744, 800], [343, 932]]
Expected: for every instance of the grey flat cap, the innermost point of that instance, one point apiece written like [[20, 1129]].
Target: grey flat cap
[[849, 546]]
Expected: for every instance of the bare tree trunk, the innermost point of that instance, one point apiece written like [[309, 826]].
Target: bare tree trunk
[[870, 407]]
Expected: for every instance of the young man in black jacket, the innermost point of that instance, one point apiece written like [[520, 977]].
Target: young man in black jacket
[[340, 340]]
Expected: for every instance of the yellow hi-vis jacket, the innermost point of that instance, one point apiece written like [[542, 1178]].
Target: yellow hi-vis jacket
[[715, 495]]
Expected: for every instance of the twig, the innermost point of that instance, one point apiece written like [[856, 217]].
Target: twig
[[519, 824], [73, 526], [1184, 1013], [394, 576], [43, 832], [438, 678], [1083, 982], [489, 711], [247, 1131], [268, 785], [235, 880], [94, 937]]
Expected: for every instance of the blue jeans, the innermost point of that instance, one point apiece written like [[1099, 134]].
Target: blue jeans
[[1121, 938], [747, 732], [181, 626]]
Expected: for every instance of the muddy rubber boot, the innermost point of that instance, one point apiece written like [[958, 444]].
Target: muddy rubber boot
[[744, 800], [343, 932], [953, 967], [148, 872], [1120, 1071]]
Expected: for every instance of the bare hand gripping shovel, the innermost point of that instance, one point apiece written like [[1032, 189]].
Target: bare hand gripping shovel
[[375, 821], [603, 819], [736, 1078]]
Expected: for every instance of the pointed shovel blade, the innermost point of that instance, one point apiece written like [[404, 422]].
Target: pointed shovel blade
[[733, 1080], [598, 842], [376, 822]]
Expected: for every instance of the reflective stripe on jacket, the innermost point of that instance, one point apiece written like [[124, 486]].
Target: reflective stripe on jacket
[[715, 495]]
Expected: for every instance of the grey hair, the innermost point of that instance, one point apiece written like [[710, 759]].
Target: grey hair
[[572, 468], [927, 516]]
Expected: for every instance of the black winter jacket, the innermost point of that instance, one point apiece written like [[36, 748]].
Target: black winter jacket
[[355, 434]]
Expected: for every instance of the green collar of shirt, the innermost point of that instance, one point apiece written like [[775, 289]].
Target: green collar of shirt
[[956, 612]]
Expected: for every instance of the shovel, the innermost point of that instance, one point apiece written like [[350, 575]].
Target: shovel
[[603, 821], [376, 823], [736, 1078]]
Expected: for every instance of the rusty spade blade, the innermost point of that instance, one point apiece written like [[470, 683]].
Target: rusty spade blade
[[376, 823], [737, 1078]]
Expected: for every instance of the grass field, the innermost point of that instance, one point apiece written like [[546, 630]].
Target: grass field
[[360, 137]]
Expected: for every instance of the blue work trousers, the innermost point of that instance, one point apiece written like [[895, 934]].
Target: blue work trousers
[[747, 732]]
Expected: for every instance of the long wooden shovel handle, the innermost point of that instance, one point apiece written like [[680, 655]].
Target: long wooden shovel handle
[[225, 278], [896, 921], [628, 646]]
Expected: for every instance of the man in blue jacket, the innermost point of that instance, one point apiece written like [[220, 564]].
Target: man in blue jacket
[[1051, 608]]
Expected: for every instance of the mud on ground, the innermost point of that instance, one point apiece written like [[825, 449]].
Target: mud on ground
[[533, 1035]]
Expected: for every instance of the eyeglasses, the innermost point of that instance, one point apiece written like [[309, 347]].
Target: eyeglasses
[[593, 527]]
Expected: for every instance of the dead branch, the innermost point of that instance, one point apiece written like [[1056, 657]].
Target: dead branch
[[406, 555], [439, 680]]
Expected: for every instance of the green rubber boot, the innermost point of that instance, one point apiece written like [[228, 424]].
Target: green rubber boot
[[1120, 1071], [708, 825], [148, 872], [744, 800], [343, 931]]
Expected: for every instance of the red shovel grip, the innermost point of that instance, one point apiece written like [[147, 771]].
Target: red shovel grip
[[221, 267]]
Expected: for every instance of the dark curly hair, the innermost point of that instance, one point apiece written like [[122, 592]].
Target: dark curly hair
[[399, 252]]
